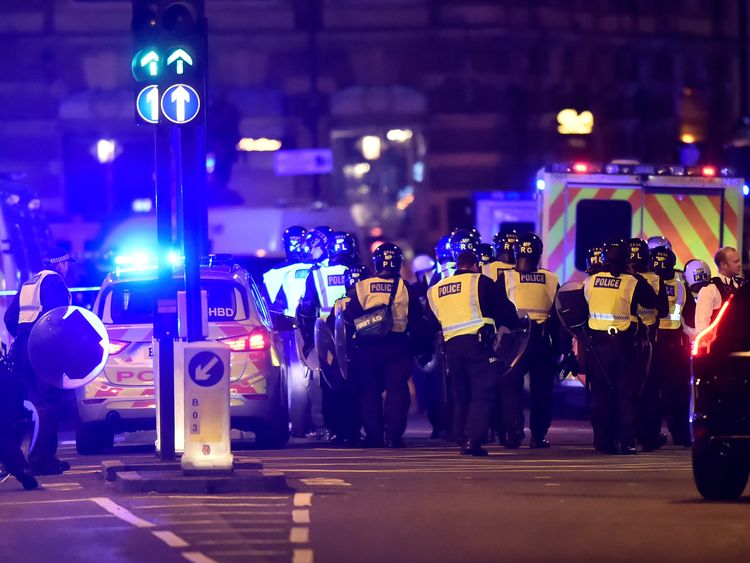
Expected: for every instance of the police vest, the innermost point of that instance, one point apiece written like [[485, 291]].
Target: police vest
[[610, 300], [649, 316], [533, 293], [725, 290], [676, 298], [294, 286], [374, 292], [330, 286], [446, 269], [455, 302], [494, 269], [30, 298], [273, 279]]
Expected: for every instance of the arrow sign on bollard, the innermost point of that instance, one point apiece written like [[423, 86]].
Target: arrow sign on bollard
[[206, 369], [180, 103]]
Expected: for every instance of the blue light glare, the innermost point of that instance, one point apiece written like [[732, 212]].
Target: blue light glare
[[745, 190], [541, 184]]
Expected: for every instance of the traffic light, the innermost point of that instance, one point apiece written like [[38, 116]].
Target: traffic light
[[169, 60]]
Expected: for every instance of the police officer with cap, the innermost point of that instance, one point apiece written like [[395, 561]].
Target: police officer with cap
[[45, 291], [467, 307], [671, 347], [505, 258], [532, 291], [719, 288], [383, 362], [613, 297]]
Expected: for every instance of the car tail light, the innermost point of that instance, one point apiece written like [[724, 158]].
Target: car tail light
[[117, 346], [708, 171], [253, 342], [706, 337]]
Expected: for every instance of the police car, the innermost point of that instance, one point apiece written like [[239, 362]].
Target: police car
[[122, 398], [720, 412]]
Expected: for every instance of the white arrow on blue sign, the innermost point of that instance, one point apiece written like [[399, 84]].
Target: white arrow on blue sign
[[180, 103], [147, 104], [206, 369]]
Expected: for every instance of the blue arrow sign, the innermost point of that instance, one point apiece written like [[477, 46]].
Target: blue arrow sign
[[206, 369], [180, 103], [147, 104]]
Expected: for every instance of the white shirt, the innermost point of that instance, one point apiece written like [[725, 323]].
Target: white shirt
[[709, 299]]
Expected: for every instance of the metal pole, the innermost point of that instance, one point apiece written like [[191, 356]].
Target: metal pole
[[314, 109], [166, 301]]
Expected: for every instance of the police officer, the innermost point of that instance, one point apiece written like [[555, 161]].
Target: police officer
[[697, 276], [505, 259], [671, 348], [384, 363], [532, 291], [594, 263], [719, 288], [613, 297], [42, 293], [12, 413], [468, 307], [446, 264], [285, 283], [649, 409]]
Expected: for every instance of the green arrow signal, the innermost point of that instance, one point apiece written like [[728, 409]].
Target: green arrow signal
[[151, 59], [182, 58]]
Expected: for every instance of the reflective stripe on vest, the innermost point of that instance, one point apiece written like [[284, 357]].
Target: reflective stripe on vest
[[532, 293], [676, 298], [374, 292], [493, 269], [610, 299], [455, 303], [330, 286], [649, 316], [294, 287], [30, 298]]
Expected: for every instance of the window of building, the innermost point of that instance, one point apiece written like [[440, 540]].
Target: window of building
[[598, 221]]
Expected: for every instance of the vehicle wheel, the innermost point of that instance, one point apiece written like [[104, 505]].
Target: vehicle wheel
[[93, 438], [718, 477]]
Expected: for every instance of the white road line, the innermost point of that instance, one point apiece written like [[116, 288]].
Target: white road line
[[197, 557], [302, 556], [303, 499], [299, 534], [301, 516], [242, 541], [56, 501], [240, 512], [282, 531], [247, 554], [214, 497], [325, 482], [170, 538], [122, 513], [209, 505], [56, 518], [250, 521]]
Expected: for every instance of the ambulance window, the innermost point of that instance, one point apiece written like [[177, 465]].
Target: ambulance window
[[598, 221]]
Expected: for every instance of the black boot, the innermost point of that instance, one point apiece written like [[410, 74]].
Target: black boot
[[469, 447]]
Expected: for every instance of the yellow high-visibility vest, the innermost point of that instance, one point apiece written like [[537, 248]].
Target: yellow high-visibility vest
[[533, 293], [30, 298], [374, 292], [610, 299], [330, 286], [455, 302], [494, 269], [676, 299], [649, 316]]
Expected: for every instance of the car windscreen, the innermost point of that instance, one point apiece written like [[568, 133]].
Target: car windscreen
[[133, 302]]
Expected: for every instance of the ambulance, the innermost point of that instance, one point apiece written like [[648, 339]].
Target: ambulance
[[581, 204]]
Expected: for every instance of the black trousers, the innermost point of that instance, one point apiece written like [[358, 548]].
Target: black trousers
[[648, 416], [473, 374], [383, 365], [341, 410], [615, 384], [11, 455], [672, 364]]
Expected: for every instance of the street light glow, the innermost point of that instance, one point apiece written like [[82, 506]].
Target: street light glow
[[399, 135], [106, 150], [371, 146], [248, 144]]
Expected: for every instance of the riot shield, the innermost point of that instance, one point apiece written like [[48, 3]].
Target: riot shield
[[572, 308], [339, 337], [510, 345], [326, 350], [309, 360]]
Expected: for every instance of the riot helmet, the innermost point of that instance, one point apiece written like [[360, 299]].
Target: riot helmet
[[342, 247], [528, 251], [443, 252], [316, 245], [639, 255], [615, 255], [697, 274], [293, 239], [462, 240], [505, 246], [658, 240], [387, 259], [594, 263], [485, 253], [422, 265], [476, 236], [353, 274], [663, 262]]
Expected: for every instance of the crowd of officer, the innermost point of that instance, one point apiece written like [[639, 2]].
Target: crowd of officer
[[480, 317]]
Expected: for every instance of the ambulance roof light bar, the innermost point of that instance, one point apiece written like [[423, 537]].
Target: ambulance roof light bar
[[634, 168]]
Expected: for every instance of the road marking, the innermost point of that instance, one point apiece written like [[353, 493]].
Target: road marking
[[122, 513], [63, 486], [552, 484], [242, 541], [197, 557], [302, 556], [232, 531], [207, 504], [250, 521], [56, 501], [242, 512], [301, 516], [249, 554], [212, 497], [303, 499], [56, 518], [299, 535], [325, 481], [170, 538]]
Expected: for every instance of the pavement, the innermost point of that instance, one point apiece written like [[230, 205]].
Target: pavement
[[422, 503]]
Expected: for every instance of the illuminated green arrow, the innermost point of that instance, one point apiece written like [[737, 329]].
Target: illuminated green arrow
[[151, 59], [181, 57]]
